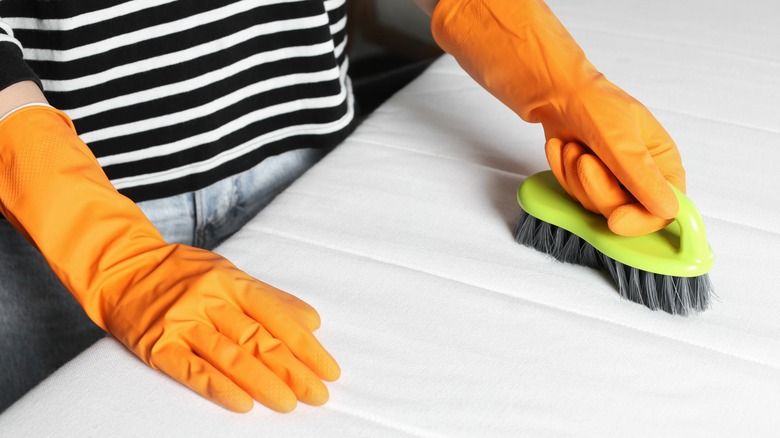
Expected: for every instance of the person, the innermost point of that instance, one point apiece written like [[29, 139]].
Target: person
[[191, 116]]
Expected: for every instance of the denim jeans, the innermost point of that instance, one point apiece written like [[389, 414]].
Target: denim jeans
[[42, 326]]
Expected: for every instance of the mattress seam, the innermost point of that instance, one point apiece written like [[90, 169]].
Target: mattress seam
[[447, 157], [718, 121], [738, 224], [680, 42]]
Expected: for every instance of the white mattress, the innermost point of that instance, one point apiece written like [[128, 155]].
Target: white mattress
[[443, 326]]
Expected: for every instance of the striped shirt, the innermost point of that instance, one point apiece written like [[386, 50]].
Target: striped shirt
[[173, 95]]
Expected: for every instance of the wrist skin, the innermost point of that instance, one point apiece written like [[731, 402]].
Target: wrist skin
[[18, 94]]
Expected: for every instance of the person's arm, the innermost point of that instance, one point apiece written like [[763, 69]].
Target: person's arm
[[185, 311], [599, 139]]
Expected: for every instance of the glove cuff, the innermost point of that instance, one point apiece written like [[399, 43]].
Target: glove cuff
[[53, 191]]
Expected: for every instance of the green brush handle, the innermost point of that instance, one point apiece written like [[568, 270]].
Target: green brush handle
[[693, 235], [680, 249]]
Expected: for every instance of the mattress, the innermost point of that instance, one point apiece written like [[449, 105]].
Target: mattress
[[402, 239]]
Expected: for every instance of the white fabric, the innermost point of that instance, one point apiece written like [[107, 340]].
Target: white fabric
[[401, 238]]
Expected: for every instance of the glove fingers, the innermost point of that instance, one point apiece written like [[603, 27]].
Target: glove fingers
[[305, 314], [571, 155], [200, 376], [635, 220], [301, 342], [306, 385], [242, 368], [600, 185], [256, 340], [634, 167], [588, 180], [553, 149]]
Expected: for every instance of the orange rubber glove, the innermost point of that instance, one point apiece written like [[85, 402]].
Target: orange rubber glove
[[186, 311], [522, 54]]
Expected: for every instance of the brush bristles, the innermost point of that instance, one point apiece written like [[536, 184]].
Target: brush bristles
[[675, 295]]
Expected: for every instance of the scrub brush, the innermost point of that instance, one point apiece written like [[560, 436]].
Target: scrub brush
[[664, 270]]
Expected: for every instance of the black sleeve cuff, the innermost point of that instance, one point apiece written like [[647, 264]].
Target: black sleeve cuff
[[13, 69]]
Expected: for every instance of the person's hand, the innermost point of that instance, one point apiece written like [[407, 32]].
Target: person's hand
[[604, 147], [229, 337], [612, 155], [183, 310]]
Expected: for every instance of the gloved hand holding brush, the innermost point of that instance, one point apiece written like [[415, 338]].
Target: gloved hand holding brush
[[600, 140], [183, 310]]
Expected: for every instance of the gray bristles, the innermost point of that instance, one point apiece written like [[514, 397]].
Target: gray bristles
[[675, 295]]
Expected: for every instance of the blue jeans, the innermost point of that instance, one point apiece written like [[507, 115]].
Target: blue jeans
[[42, 326]]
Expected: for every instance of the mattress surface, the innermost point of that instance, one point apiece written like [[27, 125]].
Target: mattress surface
[[402, 239]]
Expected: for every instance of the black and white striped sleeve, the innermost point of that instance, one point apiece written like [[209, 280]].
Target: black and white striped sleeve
[[13, 68], [172, 96]]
